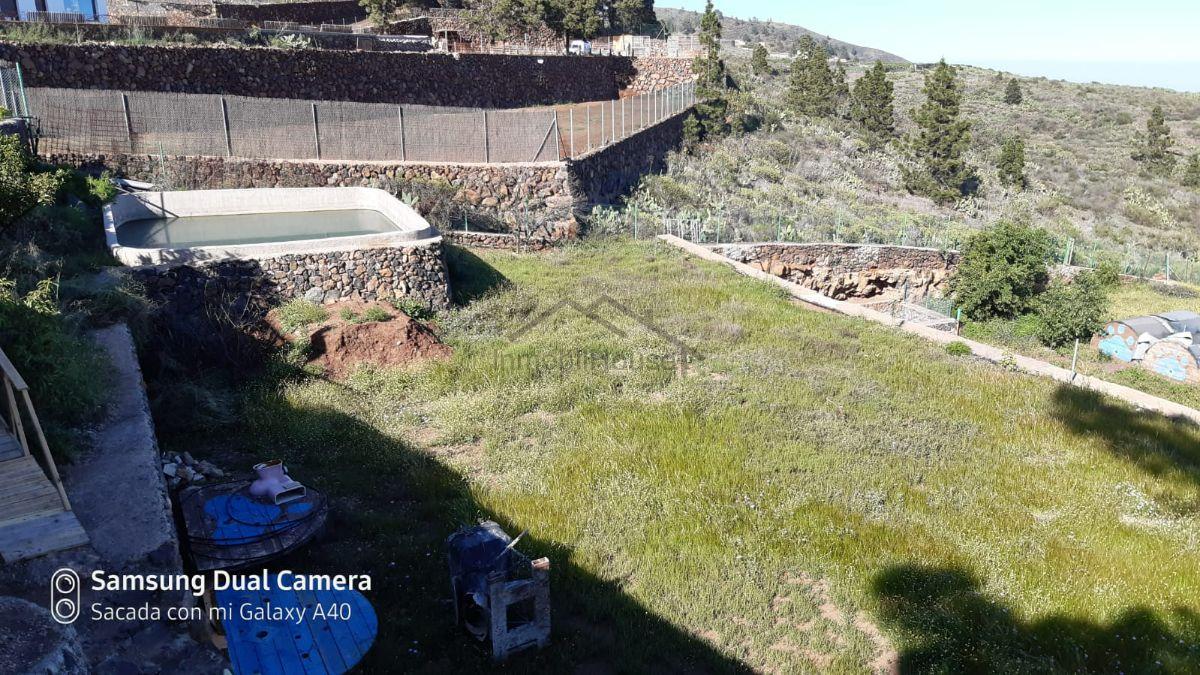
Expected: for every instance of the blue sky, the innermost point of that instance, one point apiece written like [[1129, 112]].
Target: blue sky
[[1150, 42]]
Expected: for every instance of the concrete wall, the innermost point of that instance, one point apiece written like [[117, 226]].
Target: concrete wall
[[470, 80], [843, 271]]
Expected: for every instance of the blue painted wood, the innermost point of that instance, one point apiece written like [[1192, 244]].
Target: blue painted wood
[[279, 645]]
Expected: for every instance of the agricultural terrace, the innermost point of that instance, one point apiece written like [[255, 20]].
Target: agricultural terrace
[[816, 493]]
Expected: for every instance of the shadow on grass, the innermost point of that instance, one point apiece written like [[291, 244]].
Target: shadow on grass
[[1160, 446], [470, 276], [954, 628], [392, 508]]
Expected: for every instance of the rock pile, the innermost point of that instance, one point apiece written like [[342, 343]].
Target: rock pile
[[181, 470]]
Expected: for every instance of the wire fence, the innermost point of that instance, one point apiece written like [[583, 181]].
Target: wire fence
[[12, 92], [107, 121], [712, 227]]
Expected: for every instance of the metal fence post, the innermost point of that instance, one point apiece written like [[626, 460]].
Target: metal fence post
[[128, 121], [571, 124], [21, 86], [225, 123], [557, 138], [487, 148], [612, 109], [400, 117], [623, 132], [602, 127], [316, 131], [588, 121]]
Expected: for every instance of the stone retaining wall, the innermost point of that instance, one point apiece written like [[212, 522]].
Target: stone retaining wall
[[417, 272], [658, 72], [843, 271], [314, 12], [532, 198], [467, 80], [611, 172]]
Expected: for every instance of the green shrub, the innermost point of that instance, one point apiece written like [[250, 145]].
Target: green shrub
[[21, 188], [376, 314], [347, 314], [298, 314], [413, 308], [1108, 273], [958, 349], [1073, 310], [65, 372], [1002, 269]]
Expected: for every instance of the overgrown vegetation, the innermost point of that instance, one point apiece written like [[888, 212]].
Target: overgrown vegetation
[[1002, 270], [766, 498]]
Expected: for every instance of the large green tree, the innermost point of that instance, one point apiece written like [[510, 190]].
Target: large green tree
[[939, 169], [871, 105], [712, 79], [1153, 148], [812, 87], [1003, 268]]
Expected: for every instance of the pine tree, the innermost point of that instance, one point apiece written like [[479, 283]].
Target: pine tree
[[1012, 93], [841, 90], [1011, 166], [758, 61], [1191, 173], [812, 88], [1153, 148], [941, 172], [871, 105], [712, 80]]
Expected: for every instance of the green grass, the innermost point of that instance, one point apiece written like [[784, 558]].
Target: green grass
[[298, 314], [810, 477], [1127, 300]]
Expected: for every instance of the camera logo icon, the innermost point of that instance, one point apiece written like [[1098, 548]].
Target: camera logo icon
[[64, 596]]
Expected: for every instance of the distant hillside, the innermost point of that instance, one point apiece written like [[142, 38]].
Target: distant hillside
[[779, 37]]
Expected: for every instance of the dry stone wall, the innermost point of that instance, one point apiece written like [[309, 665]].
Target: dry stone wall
[[416, 272], [467, 80], [658, 72], [610, 173], [532, 198], [316, 12], [844, 271]]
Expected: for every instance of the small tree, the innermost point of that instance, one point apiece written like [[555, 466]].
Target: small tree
[[1011, 166], [1191, 173], [1001, 271], [812, 88], [1012, 93], [1074, 310], [941, 172], [871, 105], [758, 61], [1153, 148]]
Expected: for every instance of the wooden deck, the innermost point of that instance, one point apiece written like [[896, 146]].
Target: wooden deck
[[35, 515]]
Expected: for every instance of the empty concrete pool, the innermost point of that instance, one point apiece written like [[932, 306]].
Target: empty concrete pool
[[152, 228]]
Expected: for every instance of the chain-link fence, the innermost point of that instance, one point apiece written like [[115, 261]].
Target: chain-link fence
[[12, 92], [98, 120]]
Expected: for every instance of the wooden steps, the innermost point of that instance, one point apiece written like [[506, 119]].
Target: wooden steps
[[33, 521], [40, 535]]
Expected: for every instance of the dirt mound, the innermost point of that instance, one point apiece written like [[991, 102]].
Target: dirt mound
[[353, 334]]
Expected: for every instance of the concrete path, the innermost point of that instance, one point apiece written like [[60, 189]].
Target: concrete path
[[1132, 396], [117, 488]]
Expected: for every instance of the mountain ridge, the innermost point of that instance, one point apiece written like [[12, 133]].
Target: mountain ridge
[[778, 36]]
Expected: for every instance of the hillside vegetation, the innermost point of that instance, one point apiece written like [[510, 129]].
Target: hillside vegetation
[[779, 37], [816, 179]]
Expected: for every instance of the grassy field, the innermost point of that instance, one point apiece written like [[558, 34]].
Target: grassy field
[[815, 493], [1127, 300]]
